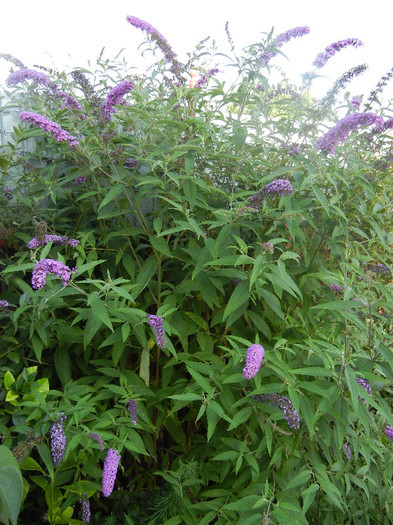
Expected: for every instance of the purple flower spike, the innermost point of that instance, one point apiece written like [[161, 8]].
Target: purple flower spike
[[56, 239], [115, 96], [255, 354], [156, 322], [348, 451], [28, 74], [58, 440], [110, 470], [271, 52], [284, 405], [366, 385], [389, 431], [276, 187], [97, 438], [132, 406], [46, 266], [85, 508], [169, 54], [355, 102], [341, 130], [335, 287], [334, 48], [3, 304], [50, 127]]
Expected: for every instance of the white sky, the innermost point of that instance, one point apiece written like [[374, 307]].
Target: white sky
[[68, 33]]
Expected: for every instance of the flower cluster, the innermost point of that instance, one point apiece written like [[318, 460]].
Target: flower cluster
[[80, 180], [284, 405], [335, 287], [56, 239], [276, 187], [294, 150], [271, 52], [3, 304], [47, 125], [255, 354], [8, 194], [169, 54], [69, 102], [85, 508], [341, 130], [110, 470], [132, 406], [380, 268], [366, 385], [28, 74], [115, 96], [97, 438], [46, 266], [389, 431], [156, 322], [267, 247], [205, 78], [58, 440], [322, 58], [130, 163]]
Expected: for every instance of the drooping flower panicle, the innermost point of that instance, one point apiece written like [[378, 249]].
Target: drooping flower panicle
[[282, 38], [284, 405], [203, 79], [21, 75], [276, 187], [348, 451], [156, 322], [85, 508], [56, 239], [321, 59], [254, 356], [115, 96], [341, 130], [47, 266], [58, 440], [389, 431], [366, 385], [50, 127], [98, 439], [110, 470]]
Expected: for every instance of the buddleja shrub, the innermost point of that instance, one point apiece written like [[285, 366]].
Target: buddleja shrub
[[196, 307]]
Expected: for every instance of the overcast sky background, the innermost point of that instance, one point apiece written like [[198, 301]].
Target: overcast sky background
[[67, 34]]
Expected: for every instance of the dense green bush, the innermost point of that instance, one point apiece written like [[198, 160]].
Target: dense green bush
[[225, 211]]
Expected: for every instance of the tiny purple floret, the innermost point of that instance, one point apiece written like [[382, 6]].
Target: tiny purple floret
[[255, 354]]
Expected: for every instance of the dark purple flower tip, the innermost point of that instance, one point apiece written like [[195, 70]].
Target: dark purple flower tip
[[85, 508], [348, 451], [331, 50], [80, 180], [110, 470], [130, 163], [115, 96], [56, 240], [276, 187], [389, 431], [335, 287], [98, 439], [284, 405], [156, 322], [366, 385], [3, 304], [355, 102], [255, 354]]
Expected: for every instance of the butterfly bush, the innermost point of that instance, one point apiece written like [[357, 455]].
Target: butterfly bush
[[254, 357], [85, 508], [366, 385], [49, 266], [98, 439], [322, 58], [348, 451], [110, 470], [339, 133], [389, 431], [40, 121], [3, 304], [204, 79], [55, 239], [284, 404], [156, 322], [58, 440], [28, 74]]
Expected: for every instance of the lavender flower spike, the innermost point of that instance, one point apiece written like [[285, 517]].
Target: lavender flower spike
[[284, 405], [56, 239], [169, 54], [116, 95], [46, 266], [97, 438], [331, 50], [156, 322], [341, 130], [276, 187], [28, 74], [110, 470], [132, 406], [389, 431], [366, 385], [3, 304], [58, 440], [255, 354], [348, 451], [50, 127], [282, 38]]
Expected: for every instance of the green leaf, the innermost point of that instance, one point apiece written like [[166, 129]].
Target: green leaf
[[62, 362], [111, 195], [99, 310], [8, 379], [11, 486], [299, 479], [353, 387], [186, 397], [322, 199], [144, 369], [240, 295]]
